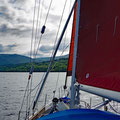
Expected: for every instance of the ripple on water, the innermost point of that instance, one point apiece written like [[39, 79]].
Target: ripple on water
[[10, 114]]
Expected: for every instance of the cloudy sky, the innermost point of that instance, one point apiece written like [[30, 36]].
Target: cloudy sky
[[16, 22]]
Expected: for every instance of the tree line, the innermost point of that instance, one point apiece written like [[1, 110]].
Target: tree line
[[58, 66]]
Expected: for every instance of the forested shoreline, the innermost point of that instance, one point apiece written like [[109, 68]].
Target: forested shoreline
[[58, 66]]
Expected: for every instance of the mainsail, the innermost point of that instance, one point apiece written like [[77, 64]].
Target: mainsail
[[98, 54]]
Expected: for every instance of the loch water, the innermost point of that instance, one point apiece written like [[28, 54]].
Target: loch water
[[13, 85]]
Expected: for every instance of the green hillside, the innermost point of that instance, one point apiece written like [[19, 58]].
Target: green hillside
[[10, 59], [59, 65]]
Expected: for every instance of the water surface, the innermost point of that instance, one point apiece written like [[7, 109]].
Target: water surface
[[12, 88]]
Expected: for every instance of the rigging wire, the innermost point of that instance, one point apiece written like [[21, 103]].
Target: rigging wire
[[37, 27], [38, 85], [65, 86], [34, 13], [61, 55], [31, 75], [33, 26], [43, 28], [48, 12], [29, 94], [56, 41], [113, 109], [23, 101], [42, 31], [36, 90], [30, 84], [58, 73], [59, 28], [27, 101], [35, 52]]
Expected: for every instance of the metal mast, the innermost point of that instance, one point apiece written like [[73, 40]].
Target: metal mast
[[73, 81]]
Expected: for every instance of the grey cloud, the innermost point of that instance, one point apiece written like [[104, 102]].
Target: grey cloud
[[16, 23], [20, 31], [18, 2], [12, 13], [49, 48], [54, 18], [12, 1], [11, 47], [38, 54], [1, 48], [5, 13], [7, 48], [49, 36], [3, 28], [46, 48]]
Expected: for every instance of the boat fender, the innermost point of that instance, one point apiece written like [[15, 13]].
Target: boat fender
[[43, 29]]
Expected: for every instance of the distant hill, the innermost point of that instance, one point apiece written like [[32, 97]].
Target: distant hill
[[13, 59], [10, 59], [48, 58]]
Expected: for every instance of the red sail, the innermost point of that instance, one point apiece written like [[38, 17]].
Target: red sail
[[98, 56], [70, 61]]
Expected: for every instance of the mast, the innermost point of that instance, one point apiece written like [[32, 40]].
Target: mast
[[73, 81], [50, 65]]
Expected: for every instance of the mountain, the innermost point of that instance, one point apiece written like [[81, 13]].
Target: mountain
[[48, 58], [12, 59], [8, 59]]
